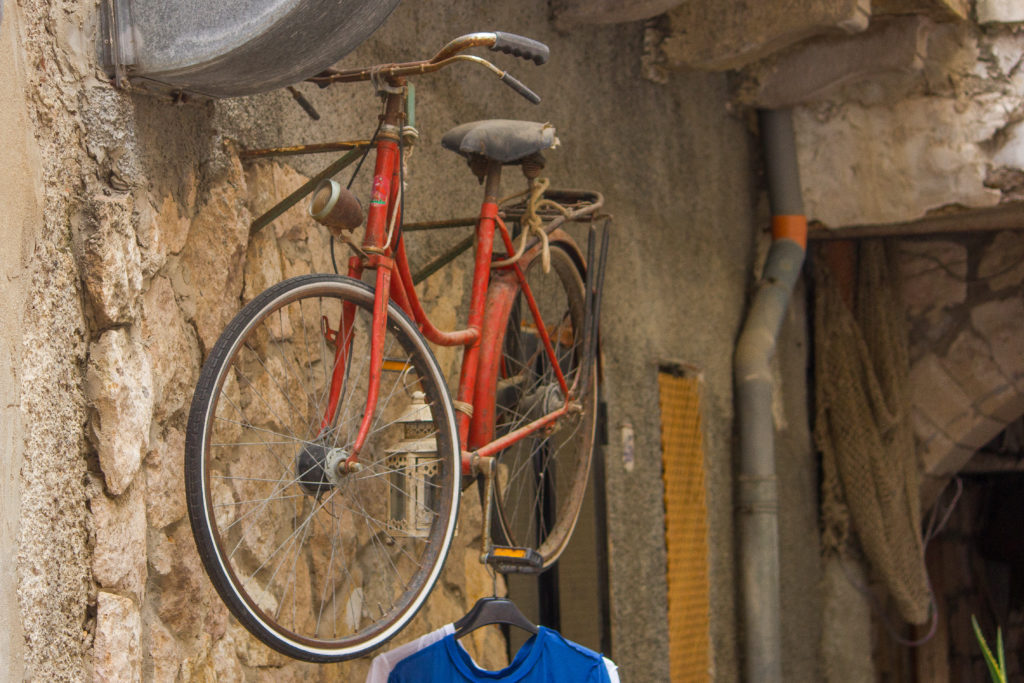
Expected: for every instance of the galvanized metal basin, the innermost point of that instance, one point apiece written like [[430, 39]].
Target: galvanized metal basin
[[226, 48]]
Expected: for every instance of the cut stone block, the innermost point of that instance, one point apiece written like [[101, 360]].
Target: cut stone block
[[716, 35], [999, 322], [165, 653], [939, 9], [1000, 11], [939, 454], [119, 559], [213, 258], [882, 164], [165, 485], [171, 348], [969, 361], [940, 399], [812, 71], [569, 12]]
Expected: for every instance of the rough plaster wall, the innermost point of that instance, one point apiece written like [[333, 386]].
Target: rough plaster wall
[[19, 158], [942, 134], [53, 555], [145, 205], [802, 596]]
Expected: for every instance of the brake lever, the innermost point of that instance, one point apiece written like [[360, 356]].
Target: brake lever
[[520, 87]]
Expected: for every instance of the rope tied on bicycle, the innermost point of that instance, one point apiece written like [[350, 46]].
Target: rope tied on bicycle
[[532, 223]]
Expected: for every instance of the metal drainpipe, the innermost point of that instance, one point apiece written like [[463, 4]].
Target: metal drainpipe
[[758, 514]]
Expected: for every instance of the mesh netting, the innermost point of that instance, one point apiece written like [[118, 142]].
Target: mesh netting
[[863, 429]]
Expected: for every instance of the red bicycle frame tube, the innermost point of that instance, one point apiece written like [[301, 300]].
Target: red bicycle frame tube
[[500, 297], [481, 276], [489, 306], [456, 338]]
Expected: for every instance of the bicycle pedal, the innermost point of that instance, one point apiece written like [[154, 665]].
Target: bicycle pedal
[[511, 560]]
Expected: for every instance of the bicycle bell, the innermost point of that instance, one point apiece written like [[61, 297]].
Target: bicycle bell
[[413, 466], [335, 207]]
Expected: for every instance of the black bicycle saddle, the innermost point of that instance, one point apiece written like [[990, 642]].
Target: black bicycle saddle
[[502, 140]]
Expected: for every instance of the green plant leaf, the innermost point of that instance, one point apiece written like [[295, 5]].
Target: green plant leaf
[[996, 669], [999, 652]]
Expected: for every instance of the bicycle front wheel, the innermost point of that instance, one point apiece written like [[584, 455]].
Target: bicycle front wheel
[[319, 561], [541, 479]]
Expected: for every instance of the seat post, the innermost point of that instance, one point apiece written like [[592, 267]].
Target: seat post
[[492, 181]]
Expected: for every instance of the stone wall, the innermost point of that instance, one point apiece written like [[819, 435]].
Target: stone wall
[[963, 299], [936, 130], [159, 307]]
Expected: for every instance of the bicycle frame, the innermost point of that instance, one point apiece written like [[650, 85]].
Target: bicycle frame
[[491, 299]]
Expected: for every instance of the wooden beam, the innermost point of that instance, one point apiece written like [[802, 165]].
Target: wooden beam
[[990, 463], [1008, 216]]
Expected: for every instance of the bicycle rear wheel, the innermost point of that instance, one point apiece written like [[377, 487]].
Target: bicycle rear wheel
[[541, 479], [319, 564]]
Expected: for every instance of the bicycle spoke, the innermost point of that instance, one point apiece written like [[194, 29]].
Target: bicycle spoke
[[317, 552]]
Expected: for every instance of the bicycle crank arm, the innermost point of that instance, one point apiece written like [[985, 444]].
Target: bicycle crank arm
[[504, 559]]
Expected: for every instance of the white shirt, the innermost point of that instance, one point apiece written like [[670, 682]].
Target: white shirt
[[382, 664]]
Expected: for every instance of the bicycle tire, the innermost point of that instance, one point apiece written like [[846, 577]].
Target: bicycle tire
[[317, 568], [541, 480]]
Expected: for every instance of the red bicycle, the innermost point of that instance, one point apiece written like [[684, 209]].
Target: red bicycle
[[325, 456]]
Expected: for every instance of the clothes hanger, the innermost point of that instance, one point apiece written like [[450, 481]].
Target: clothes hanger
[[493, 610]]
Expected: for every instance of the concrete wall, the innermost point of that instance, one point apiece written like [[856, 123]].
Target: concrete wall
[[143, 227]]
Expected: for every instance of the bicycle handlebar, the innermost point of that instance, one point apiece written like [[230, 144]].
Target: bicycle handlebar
[[520, 46], [509, 43]]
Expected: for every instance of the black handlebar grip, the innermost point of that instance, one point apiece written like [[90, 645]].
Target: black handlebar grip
[[525, 48], [517, 85]]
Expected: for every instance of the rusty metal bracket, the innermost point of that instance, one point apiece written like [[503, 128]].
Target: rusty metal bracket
[[294, 150]]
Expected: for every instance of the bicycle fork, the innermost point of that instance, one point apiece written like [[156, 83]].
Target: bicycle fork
[[384, 213]]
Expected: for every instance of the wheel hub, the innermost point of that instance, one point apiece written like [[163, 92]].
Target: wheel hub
[[547, 398], [318, 468]]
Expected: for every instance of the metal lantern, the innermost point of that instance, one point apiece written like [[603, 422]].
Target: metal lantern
[[413, 467]]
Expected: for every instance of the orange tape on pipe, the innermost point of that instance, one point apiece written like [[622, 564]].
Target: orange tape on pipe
[[791, 228]]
